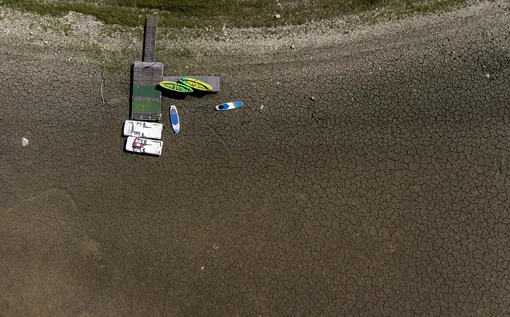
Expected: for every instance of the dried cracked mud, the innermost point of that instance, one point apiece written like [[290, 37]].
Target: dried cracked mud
[[387, 195]]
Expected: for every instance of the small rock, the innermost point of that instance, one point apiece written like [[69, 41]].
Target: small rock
[[312, 98], [45, 42], [24, 142], [292, 47], [31, 33], [346, 32], [277, 16]]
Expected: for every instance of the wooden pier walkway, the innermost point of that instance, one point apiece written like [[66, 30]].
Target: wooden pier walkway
[[145, 98]]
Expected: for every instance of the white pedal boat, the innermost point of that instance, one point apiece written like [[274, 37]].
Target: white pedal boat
[[143, 129], [144, 146]]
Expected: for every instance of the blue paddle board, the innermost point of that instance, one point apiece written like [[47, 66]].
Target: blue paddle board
[[229, 105], [174, 119]]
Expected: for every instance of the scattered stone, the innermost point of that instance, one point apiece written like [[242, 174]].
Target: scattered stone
[[292, 47], [277, 16], [312, 98], [24, 142]]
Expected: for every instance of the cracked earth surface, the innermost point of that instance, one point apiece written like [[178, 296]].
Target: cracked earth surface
[[387, 195]]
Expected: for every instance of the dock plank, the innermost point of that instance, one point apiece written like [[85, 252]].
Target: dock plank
[[149, 43]]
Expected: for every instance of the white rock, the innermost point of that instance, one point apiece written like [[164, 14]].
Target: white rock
[[24, 142], [277, 16]]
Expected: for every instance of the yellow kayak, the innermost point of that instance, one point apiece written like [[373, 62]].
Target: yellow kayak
[[171, 85], [195, 84]]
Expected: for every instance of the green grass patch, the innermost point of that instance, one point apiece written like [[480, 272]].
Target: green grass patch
[[232, 13]]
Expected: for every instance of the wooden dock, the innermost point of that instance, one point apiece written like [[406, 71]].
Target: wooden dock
[[149, 41], [145, 98]]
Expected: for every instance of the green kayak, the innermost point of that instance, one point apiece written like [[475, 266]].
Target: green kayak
[[195, 84], [173, 86]]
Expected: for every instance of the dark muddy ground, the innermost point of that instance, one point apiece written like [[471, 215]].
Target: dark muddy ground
[[386, 196]]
